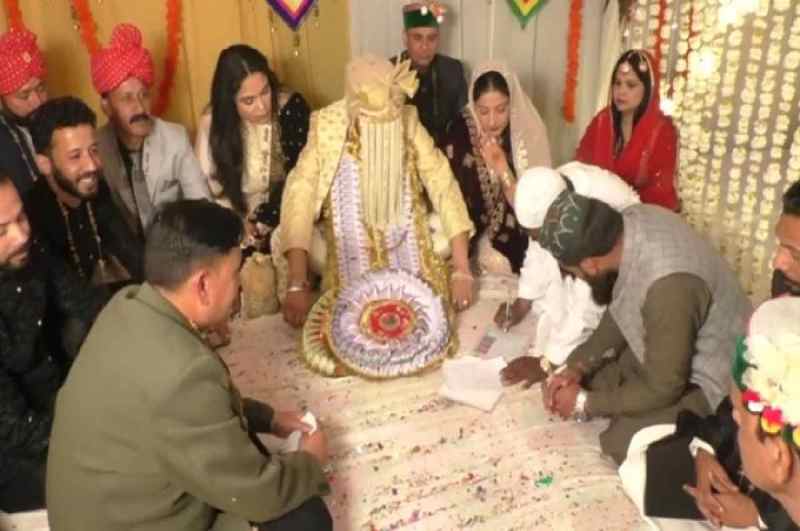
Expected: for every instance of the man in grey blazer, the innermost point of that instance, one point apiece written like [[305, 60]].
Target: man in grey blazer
[[148, 162]]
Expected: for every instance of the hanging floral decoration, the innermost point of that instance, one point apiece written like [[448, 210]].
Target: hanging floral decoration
[[86, 25], [692, 34], [662, 20], [573, 59], [14, 15], [525, 9], [174, 36], [293, 12]]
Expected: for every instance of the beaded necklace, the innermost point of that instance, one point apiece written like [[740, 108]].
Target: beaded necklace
[[71, 239]]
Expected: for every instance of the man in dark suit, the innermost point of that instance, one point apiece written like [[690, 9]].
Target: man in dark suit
[[22, 91], [45, 312], [71, 205], [442, 89]]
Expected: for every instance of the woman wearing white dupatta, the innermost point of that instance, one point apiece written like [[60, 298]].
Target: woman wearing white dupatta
[[498, 136]]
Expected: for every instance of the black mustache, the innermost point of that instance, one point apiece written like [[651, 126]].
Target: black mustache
[[139, 117]]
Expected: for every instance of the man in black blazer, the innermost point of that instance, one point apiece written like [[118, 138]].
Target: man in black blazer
[[442, 89]]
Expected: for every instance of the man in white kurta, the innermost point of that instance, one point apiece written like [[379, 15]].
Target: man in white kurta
[[567, 313]]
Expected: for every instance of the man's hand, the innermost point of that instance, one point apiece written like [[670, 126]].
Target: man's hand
[[710, 477], [296, 307], [706, 504], [317, 445], [286, 422], [562, 378], [732, 509], [519, 309], [462, 290], [526, 369], [738, 510], [564, 401]]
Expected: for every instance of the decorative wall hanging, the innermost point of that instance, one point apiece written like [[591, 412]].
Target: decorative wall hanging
[[293, 12], [525, 9], [14, 15], [573, 59], [736, 66]]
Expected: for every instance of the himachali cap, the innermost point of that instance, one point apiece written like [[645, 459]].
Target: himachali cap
[[423, 15], [20, 60], [125, 57]]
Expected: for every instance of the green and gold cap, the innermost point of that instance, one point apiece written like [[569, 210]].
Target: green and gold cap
[[423, 15]]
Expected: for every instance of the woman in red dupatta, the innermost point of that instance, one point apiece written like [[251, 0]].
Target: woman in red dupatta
[[631, 136]]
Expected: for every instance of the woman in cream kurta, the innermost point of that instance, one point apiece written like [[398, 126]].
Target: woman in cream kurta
[[248, 140]]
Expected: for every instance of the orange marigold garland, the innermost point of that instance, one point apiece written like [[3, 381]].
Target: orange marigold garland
[[14, 15], [174, 35], [86, 25], [573, 58]]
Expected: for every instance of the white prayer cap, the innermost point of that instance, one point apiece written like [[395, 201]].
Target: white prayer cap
[[580, 171], [776, 317], [536, 190]]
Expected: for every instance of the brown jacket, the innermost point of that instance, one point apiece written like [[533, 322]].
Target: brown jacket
[[149, 433]]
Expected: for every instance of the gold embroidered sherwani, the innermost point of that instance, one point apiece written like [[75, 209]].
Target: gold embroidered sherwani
[[361, 210], [308, 185]]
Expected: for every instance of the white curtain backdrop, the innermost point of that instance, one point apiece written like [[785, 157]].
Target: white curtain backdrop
[[733, 66], [475, 30]]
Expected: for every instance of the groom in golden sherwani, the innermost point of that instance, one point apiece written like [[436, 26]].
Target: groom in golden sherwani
[[383, 137], [361, 195]]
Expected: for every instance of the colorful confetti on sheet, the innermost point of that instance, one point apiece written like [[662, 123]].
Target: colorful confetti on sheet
[[403, 458]]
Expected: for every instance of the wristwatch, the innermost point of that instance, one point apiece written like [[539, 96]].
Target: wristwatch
[[579, 413]]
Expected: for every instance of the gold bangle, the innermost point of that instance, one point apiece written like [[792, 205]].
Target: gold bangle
[[295, 287], [507, 179], [458, 274]]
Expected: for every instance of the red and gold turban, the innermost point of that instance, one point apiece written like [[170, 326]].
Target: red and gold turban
[[125, 57], [20, 60]]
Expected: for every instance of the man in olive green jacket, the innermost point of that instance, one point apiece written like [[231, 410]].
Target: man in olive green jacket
[[149, 432]]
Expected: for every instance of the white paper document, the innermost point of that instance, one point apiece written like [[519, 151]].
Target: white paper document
[[473, 381], [505, 345]]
